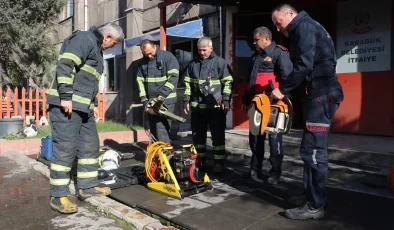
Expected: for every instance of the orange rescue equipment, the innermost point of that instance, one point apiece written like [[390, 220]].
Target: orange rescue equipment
[[270, 117]]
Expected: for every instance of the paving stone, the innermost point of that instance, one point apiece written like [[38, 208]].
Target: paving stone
[[278, 221], [251, 206], [215, 196], [134, 195], [169, 207], [215, 217]]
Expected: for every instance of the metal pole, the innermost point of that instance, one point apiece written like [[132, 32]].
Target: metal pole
[[163, 25]]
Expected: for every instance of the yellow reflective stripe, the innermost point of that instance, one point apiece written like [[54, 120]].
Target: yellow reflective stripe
[[200, 146], [65, 80], [72, 57], [76, 98], [91, 106], [87, 175], [140, 81], [228, 78], [156, 79], [196, 81], [227, 83], [169, 85], [188, 89], [220, 147], [219, 157], [91, 70], [202, 106], [199, 81], [171, 95], [82, 100], [88, 161], [171, 71], [59, 182], [227, 91], [53, 92], [59, 168], [192, 80]]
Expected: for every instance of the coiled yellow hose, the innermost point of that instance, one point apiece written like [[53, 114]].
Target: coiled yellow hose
[[153, 150]]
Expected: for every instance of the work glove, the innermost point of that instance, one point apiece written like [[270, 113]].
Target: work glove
[[157, 103], [226, 106]]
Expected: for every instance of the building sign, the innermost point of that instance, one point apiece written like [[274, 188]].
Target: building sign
[[363, 36]]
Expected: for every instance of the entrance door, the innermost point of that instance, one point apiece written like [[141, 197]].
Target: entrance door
[[244, 48], [245, 25]]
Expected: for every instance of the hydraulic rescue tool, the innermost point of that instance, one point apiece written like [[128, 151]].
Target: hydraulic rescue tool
[[173, 171], [157, 108], [270, 116]]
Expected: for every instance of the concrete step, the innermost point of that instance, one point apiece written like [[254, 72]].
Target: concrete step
[[350, 169], [378, 155], [375, 176], [339, 177]]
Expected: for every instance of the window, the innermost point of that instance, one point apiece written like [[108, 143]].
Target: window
[[68, 10], [114, 60], [110, 80], [183, 51]]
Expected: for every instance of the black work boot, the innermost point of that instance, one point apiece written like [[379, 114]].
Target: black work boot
[[202, 164], [219, 169], [297, 200], [273, 179], [305, 212], [255, 176]]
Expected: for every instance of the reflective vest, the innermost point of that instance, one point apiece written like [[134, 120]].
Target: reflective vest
[[208, 82]]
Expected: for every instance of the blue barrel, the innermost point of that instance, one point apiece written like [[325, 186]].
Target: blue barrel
[[46, 148]]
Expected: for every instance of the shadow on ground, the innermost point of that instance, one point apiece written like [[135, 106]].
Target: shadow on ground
[[239, 203]]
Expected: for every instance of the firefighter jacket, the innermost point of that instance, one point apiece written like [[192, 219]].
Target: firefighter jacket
[[208, 83], [313, 55], [78, 71], [272, 63], [158, 77]]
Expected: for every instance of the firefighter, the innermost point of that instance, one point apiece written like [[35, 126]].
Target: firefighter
[[269, 62], [313, 55], [73, 108], [157, 78], [207, 95]]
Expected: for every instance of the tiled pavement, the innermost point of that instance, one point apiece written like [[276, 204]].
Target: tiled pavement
[[237, 203]]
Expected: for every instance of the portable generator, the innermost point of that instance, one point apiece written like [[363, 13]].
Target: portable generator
[[173, 172]]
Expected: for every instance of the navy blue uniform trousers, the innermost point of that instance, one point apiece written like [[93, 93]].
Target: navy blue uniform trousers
[[257, 145], [160, 127], [318, 113]]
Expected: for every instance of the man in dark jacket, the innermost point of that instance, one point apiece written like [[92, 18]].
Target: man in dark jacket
[[73, 108], [269, 62], [157, 78], [208, 93], [313, 55]]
